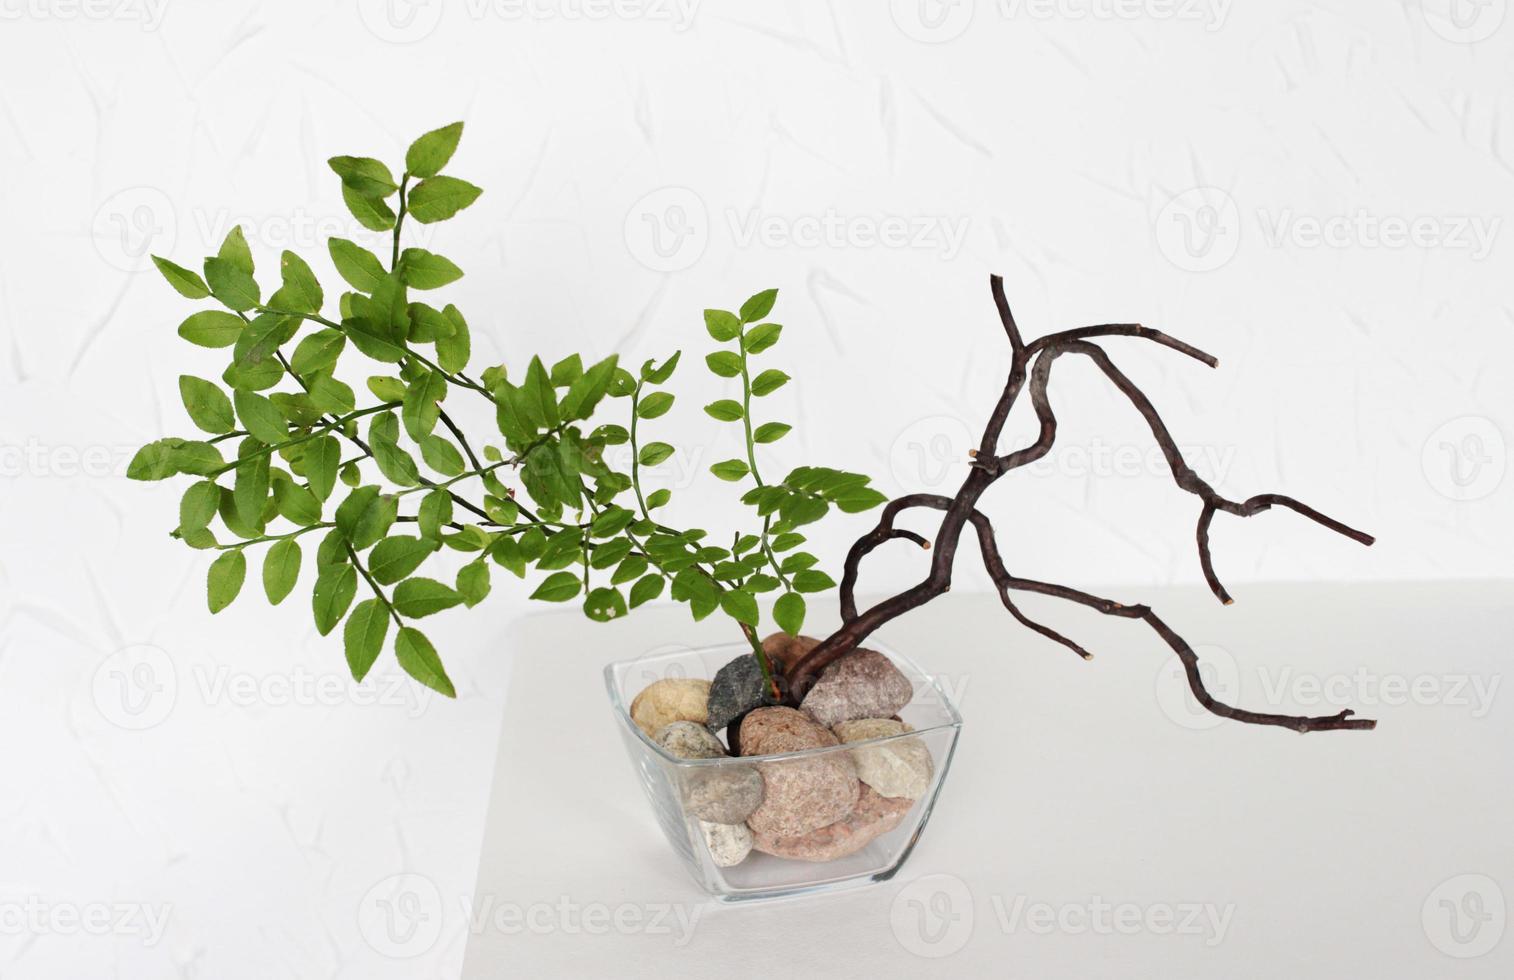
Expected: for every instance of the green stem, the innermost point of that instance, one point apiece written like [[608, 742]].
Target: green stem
[[313, 433], [751, 457], [636, 453], [238, 545], [378, 592], [399, 221]]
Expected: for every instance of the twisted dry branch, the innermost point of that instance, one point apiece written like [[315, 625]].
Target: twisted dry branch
[[1035, 360]]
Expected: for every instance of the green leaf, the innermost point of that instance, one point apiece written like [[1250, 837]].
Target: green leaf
[[295, 503], [422, 406], [335, 587], [659, 375], [604, 604], [787, 541], [769, 381], [365, 175], [539, 398], [658, 498], [633, 567], [725, 363], [365, 516], [165, 457], [854, 500], [611, 522], [281, 568], [558, 587], [187, 283], [473, 582], [452, 352], [373, 341], [301, 288], [435, 511], [235, 251], [647, 589], [328, 394], [225, 579], [586, 391], [363, 636], [761, 337], [758, 306], [427, 270], [198, 505], [419, 597], [250, 490], [418, 658], [654, 405], [443, 457], [730, 470], [788, 613], [211, 328], [725, 410], [395, 463], [318, 352], [322, 457], [811, 580], [207, 404], [231, 284], [394, 558], [740, 606], [371, 212], [653, 453], [439, 198], [261, 417], [430, 153], [723, 326], [360, 267]]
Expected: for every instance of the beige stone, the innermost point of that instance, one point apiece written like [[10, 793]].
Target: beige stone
[[668, 700]]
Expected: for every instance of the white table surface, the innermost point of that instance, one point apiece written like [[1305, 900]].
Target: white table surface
[[1090, 826]]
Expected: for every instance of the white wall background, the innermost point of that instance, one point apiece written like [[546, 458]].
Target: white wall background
[[1316, 192]]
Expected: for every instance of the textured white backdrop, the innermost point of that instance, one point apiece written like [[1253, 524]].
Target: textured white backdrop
[[1315, 192]]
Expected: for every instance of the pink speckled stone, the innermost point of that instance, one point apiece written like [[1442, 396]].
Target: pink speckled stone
[[799, 795], [871, 818], [862, 684]]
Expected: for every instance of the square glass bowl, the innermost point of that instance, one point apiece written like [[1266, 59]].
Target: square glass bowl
[[668, 781]]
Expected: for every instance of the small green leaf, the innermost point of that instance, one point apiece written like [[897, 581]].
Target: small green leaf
[[395, 463], [231, 284], [654, 405], [328, 394], [371, 212], [365, 175], [318, 352], [439, 198], [261, 417], [812, 580], [363, 636], [611, 523], [435, 511], [558, 587], [854, 500], [187, 283], [225, 579], [725, 410], [430, 153], [740, 606], [165, 457], [659, 375], [653, 453], [198, 505], [393, 559], [788, 613], [419, 597], [335, 587], [281, 569], [725, 363], [295, 503], [473, 582], [646, 589], [422, 406], [365, 516], [418, 658], [604, 604], [300, 288], [723, 326], [730, 470], [360, 267], [427, 270], [769, 381], [758, 306], [250, 489], [322, 457], [207, 404], [234, 250], [452, 352], [443, 457], [586, 391], [211, 328], [761, 337], [771, 432], [658, 498]]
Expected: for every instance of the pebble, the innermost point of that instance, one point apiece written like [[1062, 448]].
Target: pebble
[[738, 688], [726, 793], [785, 651], [900, 769], [729, 843], [668, 700], [689, 740], [861, 684], [799, 795], [871, 818]]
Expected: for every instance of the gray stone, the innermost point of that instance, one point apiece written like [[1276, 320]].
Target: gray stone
[[689, 740], [738, 688], [724, 793], [861, 684], [900, 768], [729, 843]]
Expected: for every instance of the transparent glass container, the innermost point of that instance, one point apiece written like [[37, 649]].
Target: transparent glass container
[[896, 821]]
